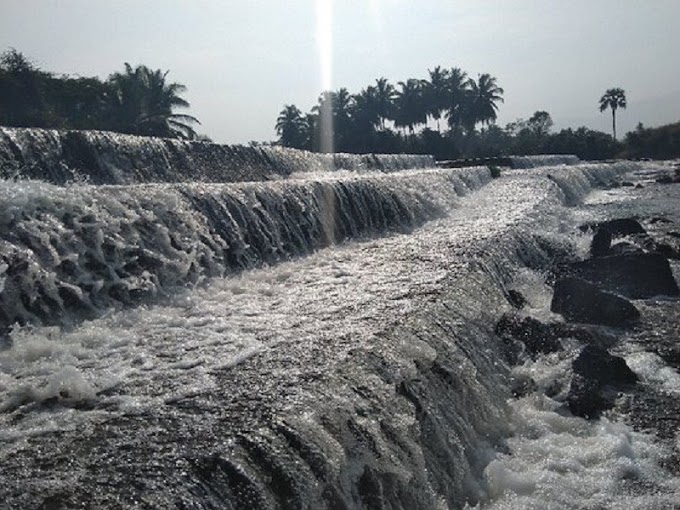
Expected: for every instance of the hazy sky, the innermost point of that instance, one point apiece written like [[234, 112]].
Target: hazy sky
[[243, 60]]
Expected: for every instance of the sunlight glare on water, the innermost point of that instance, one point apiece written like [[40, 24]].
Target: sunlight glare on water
[[324, 41]]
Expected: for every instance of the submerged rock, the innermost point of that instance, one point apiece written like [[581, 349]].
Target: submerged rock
[[579, 301], [635, 276]]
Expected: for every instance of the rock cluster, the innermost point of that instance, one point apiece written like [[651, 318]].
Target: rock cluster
[[594, 298]]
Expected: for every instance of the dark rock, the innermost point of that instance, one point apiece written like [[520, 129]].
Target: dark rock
[[658, 219], [69, 295], [602, 241], [596, 364], [674, 234], [585, 398], [536, 336], [597, 376], [627, 184], [625, 248], [516, 299], [622, 227], [640, 276], [667, 179], [667, 250], [580, 301], [639, 186]]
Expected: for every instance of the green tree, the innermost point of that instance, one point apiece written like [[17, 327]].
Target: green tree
[[437, 93], [142, 103], [540, 123], [364, 110], [409, 105], [22, 92], [613, 99], [384, 100], [457, 95], [291, 127], [480, 104]]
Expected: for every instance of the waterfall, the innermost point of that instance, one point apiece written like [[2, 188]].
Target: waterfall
[[323, 340], [543, 160], [99, 157]]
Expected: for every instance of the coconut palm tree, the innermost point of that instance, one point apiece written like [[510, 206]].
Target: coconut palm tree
[[437, 93], [142, 103], [481, 106], [291, 127], [364, 110], [384, 100], [409, 104], [334, 112], [457, 93], [613, 98]]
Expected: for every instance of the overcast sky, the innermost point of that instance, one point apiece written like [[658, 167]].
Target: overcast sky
[[243, 60]]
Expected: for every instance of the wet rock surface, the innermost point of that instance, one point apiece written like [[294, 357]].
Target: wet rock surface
[[580, 301], [638, 276]]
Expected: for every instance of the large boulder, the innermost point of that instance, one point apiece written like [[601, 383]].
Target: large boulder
[[607, 230], [579, 301], [635, 276], [598, 375], [597, 364]]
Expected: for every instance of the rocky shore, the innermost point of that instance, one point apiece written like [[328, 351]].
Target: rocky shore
[[615, 322]]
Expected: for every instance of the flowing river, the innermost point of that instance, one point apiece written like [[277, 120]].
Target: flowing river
[[317, 337]]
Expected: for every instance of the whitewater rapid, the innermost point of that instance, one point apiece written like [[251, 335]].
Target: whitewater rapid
[[321, 336]]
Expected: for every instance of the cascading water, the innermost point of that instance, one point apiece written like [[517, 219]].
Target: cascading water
[[322, 341], [99, 157], [79, 249], [543, 160]]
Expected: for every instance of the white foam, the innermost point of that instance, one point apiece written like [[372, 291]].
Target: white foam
[[558, 461], [653, 370]]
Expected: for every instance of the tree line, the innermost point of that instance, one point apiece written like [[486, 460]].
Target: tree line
[[384, 118], [137, 100], [448, 115]]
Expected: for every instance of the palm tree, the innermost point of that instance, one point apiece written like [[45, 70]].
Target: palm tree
[[364, 110], [142, 103], [457, 92], [291, 127], [384, 100], [437, 93], [613, 98], [481, 101], [334, 115], [409, 104]]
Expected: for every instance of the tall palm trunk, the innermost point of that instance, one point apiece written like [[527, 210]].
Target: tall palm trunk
[[614, 122]]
